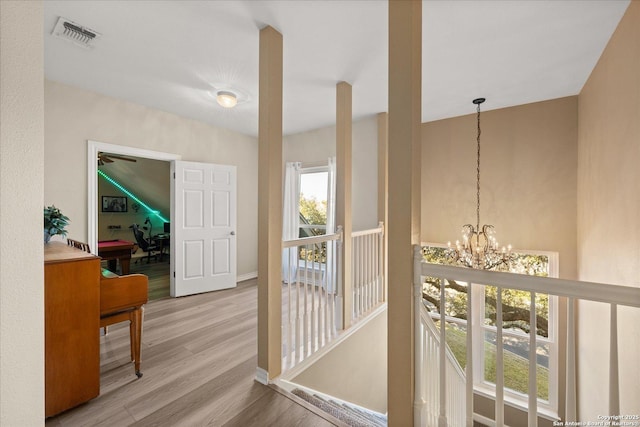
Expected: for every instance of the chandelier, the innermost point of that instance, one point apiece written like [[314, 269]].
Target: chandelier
[[479, 247]]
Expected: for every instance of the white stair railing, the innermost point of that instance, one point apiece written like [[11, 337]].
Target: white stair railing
[[426, 395], [367, 263], [429, 408], [311, 296]]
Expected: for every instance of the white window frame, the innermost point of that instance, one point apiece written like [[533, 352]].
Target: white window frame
[[519, 400], [308, 170]]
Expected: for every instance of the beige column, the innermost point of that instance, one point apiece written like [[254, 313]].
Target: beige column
[[383, 185], [269, 205], [405, 61], [343, 191]]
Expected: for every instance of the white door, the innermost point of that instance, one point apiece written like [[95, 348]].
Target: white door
[[203, 227]]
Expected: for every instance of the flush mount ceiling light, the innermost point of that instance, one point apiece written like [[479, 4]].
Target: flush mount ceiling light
[[226, 99]]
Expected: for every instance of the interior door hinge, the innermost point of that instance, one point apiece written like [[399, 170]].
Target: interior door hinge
[[174, 175], [174, 274]]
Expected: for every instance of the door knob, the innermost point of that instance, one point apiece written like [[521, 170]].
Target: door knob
[[233, 233]]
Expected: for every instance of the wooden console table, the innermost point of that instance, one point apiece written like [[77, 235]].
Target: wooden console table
[[72, 322]]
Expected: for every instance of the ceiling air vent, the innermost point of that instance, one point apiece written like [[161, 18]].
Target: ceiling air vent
[[75, 33]]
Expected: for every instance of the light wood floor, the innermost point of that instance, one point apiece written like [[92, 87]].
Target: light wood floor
[[157, 272], [199, 365]]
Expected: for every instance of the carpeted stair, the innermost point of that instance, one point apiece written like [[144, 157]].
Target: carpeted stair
[[349, 415]]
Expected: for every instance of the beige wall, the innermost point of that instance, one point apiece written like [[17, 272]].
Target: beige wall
[[21, 203], [608, 214], [528, 177], [358, 368], [317, 145], [73, 116]]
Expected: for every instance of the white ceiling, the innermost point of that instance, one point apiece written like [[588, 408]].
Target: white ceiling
[[171, 55]]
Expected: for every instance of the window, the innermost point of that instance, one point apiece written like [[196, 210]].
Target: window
[[516, 328], [312, 202]]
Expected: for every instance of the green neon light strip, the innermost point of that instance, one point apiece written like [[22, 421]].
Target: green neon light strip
[[130, 194]]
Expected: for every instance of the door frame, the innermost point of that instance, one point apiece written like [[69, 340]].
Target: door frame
[[93, 147]]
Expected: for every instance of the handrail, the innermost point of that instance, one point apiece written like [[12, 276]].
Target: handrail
[[600, 292], [310, 240], [426, 319], [376, 230]]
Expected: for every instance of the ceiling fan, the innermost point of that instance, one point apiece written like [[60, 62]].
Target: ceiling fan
[[109, 158]]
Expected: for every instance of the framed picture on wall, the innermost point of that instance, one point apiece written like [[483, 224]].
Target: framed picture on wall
[[114, 204]]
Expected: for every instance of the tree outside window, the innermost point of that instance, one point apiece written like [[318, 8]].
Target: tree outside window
[[313, 212]]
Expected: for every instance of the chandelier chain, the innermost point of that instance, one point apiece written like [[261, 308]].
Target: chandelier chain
[[478, 175]]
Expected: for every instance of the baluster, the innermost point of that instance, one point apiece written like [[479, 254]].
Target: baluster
[[354, 275], [469, 366], [374, 269], [419, 358], [382, 261], [376, 275], [339, 308], [570, 412], [354, 267], [322, 298], [338, 288], [297, 342], [371, 270], [360, 289], [365, 273], [291, 319], [499, 414], [321, 339], [314, 311], [306, 340], [331, 285], [362, 263], [442, 419], [614, 390], [533, 386], [358, 281], [361, 275]]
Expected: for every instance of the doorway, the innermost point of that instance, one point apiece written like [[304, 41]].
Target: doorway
[[124, 207]]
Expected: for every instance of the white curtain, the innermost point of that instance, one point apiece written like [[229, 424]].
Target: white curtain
[[331, 225], [291, 212]]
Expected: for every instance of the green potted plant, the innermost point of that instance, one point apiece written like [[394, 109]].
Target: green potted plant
[[54, 223]]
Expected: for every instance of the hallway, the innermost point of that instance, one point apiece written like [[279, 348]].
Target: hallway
[[198, 364]]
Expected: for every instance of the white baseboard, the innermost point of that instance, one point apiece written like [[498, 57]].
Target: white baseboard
[[262, 376], [247, 276]]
